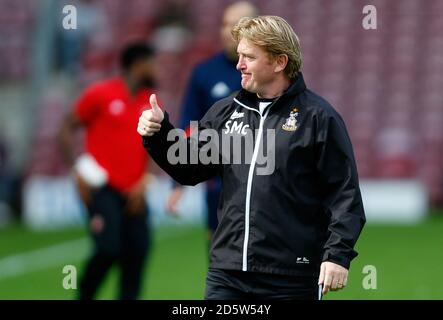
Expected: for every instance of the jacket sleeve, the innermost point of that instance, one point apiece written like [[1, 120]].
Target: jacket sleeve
[[186, 169], [340, 191]]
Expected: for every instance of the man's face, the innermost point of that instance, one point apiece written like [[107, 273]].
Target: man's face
[[257, 70], [230, 17], [144, 72], [225, 31]]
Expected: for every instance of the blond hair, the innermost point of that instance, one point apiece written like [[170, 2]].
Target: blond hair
[[274, 35]]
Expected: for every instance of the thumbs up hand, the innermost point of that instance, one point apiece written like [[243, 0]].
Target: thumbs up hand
[[149, 122]]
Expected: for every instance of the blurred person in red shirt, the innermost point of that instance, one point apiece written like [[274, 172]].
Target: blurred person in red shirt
[[110, 175]]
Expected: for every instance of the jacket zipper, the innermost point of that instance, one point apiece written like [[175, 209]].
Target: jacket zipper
[[250, 177]]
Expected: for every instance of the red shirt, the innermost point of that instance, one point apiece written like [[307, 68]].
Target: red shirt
[[111, 115]]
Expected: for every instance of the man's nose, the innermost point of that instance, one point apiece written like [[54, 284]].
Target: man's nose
[[240, 64]]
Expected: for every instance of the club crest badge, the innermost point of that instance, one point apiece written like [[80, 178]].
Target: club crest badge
[[291, 122]]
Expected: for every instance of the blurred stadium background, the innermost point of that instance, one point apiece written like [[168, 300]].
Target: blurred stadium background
[[386, 83]]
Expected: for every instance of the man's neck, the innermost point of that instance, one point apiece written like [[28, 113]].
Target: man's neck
[[275, 89], [130, 84]]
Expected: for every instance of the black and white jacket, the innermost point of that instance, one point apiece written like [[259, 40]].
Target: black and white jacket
[[307, 210]]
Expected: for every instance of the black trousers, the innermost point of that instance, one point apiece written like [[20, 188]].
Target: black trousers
[[240, 285], [213, 190], [124, 241]]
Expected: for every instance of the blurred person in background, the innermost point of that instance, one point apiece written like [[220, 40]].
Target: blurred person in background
[[6, 184], [287, 230], [92, 26], [111, 175], [212, 80]]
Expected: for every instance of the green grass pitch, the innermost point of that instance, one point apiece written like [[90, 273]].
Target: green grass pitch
[[407, 259]]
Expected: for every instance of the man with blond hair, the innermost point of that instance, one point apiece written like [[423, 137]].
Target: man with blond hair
[[287, 232]]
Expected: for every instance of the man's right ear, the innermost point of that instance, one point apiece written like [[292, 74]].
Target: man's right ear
[[280, 61]]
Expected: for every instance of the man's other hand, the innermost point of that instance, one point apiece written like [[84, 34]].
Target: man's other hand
[[333, 277]]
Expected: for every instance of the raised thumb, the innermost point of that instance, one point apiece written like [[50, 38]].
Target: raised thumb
[[154, 104]]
